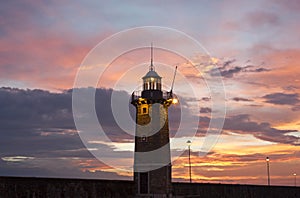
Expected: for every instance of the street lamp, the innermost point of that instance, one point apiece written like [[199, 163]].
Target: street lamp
[[295, 179], [268, 169], [190, 167]]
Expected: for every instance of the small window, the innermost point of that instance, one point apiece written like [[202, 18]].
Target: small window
[[144, 110]]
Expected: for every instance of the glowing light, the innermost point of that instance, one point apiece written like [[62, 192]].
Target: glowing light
[[189, 143], [214, 60], [174, 100], [92, 149]]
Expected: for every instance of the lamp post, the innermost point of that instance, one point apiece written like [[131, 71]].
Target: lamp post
[[268, 169], [295, 179], [190, 167]]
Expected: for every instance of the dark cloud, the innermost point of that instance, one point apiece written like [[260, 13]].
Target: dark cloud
[[205, 110], [206, 99], [261, 69], [230, 72], [59, 168], [282, 98], [19, 169], [40, 124], [34, 109], [37, 111], [238, 99], [242, 124], [228, 63], [254, 105], [264, 131], [229, 69]]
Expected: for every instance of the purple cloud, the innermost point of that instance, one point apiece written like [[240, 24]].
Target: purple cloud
[[282, 98], [205, 110], [39, 124], [228, 70], [264, 131], [238, 99]]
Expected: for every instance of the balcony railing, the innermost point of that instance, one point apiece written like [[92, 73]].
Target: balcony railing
[[138, 94]]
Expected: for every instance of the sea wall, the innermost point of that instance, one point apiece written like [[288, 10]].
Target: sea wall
[[22, 187], [234, 191]]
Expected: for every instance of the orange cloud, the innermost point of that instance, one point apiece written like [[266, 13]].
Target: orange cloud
[[235, 161]]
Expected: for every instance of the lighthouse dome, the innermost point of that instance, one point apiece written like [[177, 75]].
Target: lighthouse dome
[[151, 74]]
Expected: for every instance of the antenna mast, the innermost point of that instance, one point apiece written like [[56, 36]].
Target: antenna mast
[[171, 92], [151, 64]]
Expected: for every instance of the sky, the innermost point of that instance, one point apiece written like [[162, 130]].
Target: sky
[[253, 44]]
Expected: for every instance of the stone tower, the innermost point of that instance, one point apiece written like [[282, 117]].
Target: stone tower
[[152, 159]]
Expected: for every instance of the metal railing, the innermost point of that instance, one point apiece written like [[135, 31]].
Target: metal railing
[[138, 94]]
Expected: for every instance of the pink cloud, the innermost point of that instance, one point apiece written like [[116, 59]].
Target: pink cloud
[[45, 60]]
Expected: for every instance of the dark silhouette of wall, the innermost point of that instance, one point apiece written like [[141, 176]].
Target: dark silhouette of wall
[[13, 187], [22, 187], [234, 191]]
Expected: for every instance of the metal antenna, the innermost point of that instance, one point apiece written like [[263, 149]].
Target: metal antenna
[[171, 92], [151, 65]]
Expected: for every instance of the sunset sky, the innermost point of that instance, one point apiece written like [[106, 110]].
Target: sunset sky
[[255, 45]]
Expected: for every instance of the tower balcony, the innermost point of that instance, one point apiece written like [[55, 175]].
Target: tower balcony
[[151, 96]]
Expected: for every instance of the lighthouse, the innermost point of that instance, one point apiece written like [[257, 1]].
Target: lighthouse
[[152, 159]]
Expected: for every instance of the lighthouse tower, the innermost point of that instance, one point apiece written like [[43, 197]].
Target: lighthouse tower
[[152, 160]]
